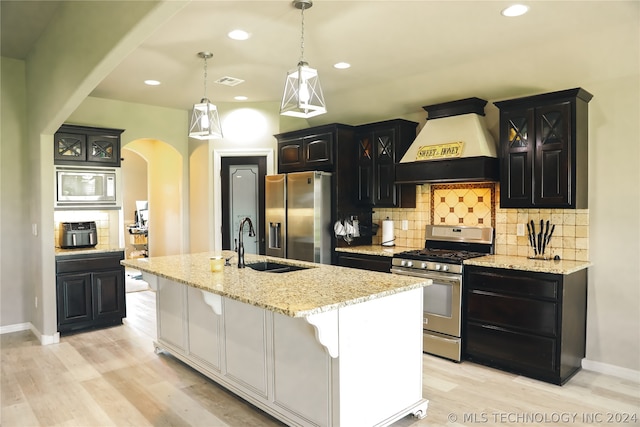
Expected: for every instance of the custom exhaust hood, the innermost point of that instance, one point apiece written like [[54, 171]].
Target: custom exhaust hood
[[453, 146]]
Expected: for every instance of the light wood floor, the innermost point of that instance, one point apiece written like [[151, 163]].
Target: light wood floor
[[112, 377]]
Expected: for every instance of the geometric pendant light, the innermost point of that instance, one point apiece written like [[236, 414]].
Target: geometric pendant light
[[205, 122], [302, 92]]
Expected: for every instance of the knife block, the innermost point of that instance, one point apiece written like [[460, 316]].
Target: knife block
[[545, 256]]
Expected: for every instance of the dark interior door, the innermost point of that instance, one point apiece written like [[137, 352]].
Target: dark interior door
[[227, 165]]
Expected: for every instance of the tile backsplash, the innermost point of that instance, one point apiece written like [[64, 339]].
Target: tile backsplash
[[477, 204]]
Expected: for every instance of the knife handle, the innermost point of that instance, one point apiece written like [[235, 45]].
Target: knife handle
[[540, 243]]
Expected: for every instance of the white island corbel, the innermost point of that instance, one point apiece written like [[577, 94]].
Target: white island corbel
[[322, 346]]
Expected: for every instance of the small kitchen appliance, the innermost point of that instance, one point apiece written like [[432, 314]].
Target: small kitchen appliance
[[81, 187], [441, 260], [78, 235]]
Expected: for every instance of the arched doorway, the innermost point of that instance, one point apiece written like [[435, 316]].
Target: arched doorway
[[164, 192]]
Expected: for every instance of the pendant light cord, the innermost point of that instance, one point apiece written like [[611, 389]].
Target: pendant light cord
[[302, 35], [205, 77]]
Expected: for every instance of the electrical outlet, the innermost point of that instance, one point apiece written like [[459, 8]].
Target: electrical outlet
[[520, 230], [405, 224], [36, 302]]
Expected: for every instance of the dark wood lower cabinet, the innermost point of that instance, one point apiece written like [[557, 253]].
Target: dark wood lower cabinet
[[529, 323], [365, 262], [90, 291]]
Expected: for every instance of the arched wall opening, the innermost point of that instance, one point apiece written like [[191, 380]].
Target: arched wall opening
[[135, 187], [164, 192]]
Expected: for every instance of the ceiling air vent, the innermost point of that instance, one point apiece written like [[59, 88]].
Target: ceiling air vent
[[229, 81]]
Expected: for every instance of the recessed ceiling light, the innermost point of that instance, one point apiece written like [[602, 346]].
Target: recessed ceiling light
[[240, 98], [238, 35], [151, 82], [515, 10], [342, 65]]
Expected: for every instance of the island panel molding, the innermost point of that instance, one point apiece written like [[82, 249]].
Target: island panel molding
[[306, 359]]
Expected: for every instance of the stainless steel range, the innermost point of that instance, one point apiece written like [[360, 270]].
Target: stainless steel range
[[446, 247]]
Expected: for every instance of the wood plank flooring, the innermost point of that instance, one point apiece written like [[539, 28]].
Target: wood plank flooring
[[112, 377]]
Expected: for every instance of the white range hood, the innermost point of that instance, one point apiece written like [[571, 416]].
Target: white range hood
[[454, 145], [467, 128]]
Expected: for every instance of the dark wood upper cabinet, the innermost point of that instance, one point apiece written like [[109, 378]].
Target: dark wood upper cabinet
[[328, 148], [379, 147], [88, 146], [306, 152], [544, 150]]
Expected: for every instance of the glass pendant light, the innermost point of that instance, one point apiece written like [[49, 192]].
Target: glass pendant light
[[205, 122], [302, 92]]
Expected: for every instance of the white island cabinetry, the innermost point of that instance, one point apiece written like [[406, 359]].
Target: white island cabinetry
[[357, 362]]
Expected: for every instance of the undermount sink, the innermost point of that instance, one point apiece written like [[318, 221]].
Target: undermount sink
[[274, 267]]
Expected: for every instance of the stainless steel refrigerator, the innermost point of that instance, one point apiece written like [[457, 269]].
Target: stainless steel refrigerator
[[298, 216]]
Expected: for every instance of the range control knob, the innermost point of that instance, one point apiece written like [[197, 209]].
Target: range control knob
[[423, 265], [438, 267], [445, 268], [409, 263]]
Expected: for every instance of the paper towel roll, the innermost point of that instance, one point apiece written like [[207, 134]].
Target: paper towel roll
[[387, 233]]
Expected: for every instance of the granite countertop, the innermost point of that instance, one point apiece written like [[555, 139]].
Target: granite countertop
[[86, 251], [526, 264], [379, 250], [299, 293]]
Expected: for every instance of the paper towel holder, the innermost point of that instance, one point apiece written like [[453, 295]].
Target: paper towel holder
[[388, 238]]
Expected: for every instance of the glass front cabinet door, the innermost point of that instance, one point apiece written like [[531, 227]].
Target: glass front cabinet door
[[81, 145]]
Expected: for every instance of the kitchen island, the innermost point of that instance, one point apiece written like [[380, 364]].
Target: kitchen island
[[319, 346]]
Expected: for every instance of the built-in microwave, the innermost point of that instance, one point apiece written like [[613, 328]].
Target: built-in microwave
[[82, 187]]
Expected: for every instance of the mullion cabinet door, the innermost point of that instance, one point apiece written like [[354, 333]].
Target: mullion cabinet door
[[544, 150], [379, 147], [69, 146], [552, 155], [518, 151], [385, 168], [366, 184], [87, 146], [103, 149]]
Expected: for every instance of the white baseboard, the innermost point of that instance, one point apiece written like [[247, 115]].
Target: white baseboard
[[15, 328], [613, 370], [44, 339]]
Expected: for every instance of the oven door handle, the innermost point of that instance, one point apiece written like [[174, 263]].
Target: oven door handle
[[450, 340], [441, 278]]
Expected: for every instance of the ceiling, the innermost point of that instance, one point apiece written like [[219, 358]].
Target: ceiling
[[404, 54]]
